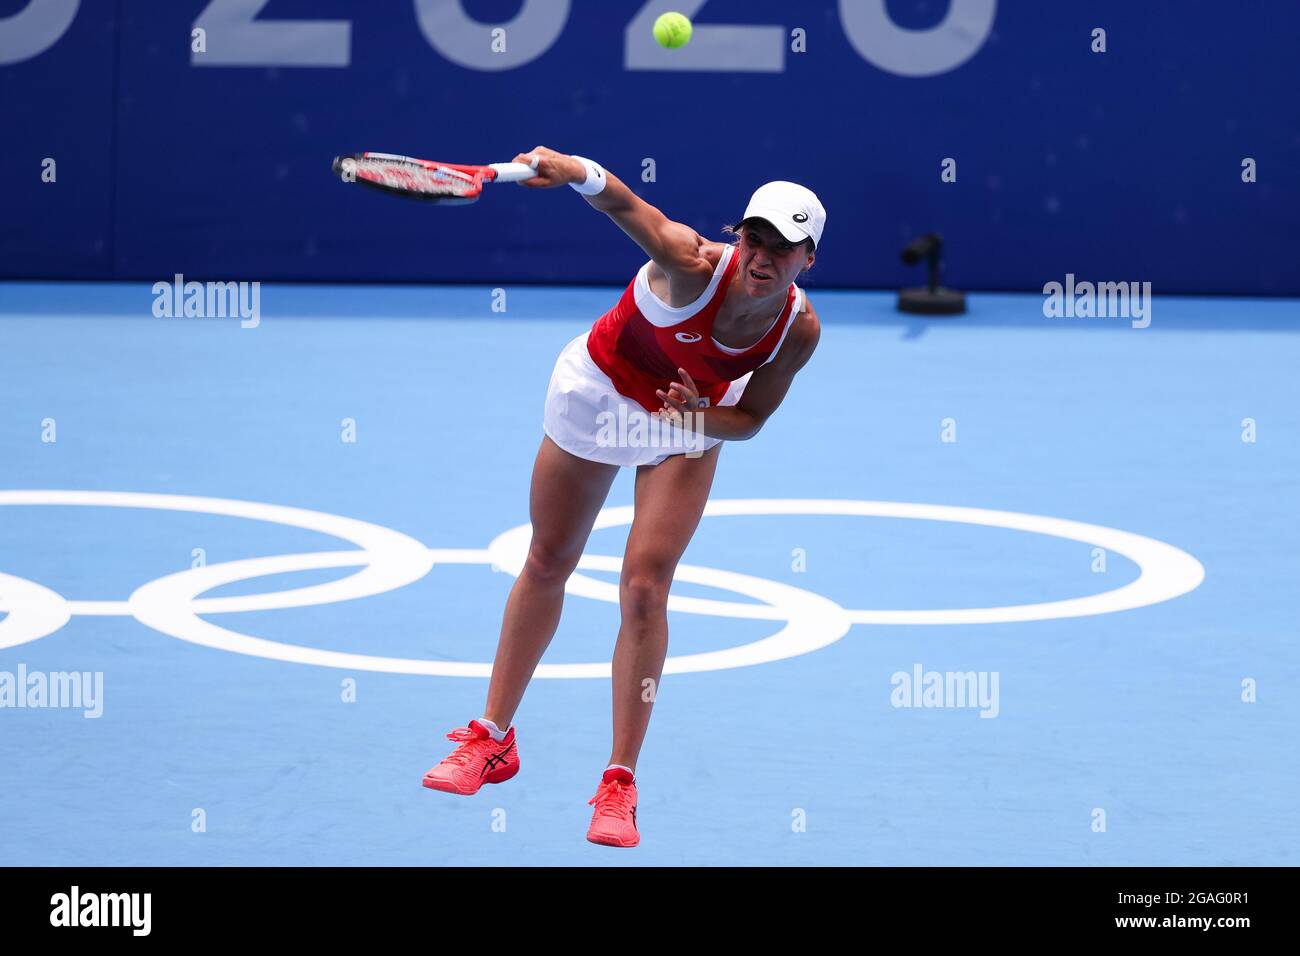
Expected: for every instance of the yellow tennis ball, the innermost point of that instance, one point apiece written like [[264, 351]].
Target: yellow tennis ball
[[673, 30]]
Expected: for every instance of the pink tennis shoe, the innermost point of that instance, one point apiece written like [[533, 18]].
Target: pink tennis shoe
[[478, 760], [614, 822]]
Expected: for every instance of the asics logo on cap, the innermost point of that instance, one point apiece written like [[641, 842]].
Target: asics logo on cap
[[794, 210], [689, 337]]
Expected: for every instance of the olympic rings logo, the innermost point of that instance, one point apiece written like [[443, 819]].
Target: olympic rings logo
[[389, 559]]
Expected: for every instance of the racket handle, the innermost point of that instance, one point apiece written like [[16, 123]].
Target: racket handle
[[513, 172]]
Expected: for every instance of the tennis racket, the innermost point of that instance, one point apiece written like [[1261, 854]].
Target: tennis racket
[[448, 183]]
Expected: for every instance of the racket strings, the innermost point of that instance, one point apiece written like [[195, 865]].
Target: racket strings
[[438, 180]]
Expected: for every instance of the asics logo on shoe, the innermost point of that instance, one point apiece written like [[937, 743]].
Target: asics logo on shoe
[[495, 760]]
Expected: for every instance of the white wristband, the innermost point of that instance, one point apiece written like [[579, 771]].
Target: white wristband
[[595, 180]]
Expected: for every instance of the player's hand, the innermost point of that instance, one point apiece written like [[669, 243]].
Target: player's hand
[[553, 169], [681, 397]]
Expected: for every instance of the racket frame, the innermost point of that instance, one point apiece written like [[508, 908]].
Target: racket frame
[[474, 176]]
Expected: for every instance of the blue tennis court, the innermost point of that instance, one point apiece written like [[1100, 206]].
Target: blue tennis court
[[278, 556]]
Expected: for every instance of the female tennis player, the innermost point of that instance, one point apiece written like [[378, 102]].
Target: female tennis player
[[700, 349]]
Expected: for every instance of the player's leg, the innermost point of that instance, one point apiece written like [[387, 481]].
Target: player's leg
[[670, 499], [567, 493]]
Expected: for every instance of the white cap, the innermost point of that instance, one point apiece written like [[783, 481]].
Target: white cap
[[794, 210]]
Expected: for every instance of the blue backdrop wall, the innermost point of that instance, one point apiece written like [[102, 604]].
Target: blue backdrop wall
[[1122, 165]]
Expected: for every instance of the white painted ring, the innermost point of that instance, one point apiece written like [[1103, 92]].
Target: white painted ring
[[1165, 571], [33, 611], [390, 559]]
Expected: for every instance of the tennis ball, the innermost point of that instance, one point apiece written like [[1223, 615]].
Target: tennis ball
[[673, 30]]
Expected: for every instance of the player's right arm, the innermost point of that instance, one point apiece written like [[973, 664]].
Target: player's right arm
[[675, 247]]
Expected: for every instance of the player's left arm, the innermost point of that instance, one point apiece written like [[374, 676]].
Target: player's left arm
[[766, 388]]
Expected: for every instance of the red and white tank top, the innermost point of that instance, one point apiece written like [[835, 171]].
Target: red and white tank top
[[641, 342]]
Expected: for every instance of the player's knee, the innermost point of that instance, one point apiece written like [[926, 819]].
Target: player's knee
[[549, 564], [643, 592]]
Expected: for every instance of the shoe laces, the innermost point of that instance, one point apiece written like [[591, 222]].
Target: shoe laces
[[467, 739], [613, 799]]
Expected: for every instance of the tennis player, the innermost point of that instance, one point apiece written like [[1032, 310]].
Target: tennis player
[[700, 349]]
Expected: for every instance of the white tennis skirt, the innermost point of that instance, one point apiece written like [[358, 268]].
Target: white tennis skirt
[[588, 417]]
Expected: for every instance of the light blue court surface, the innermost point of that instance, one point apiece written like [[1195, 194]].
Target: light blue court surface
[[803, 759]]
